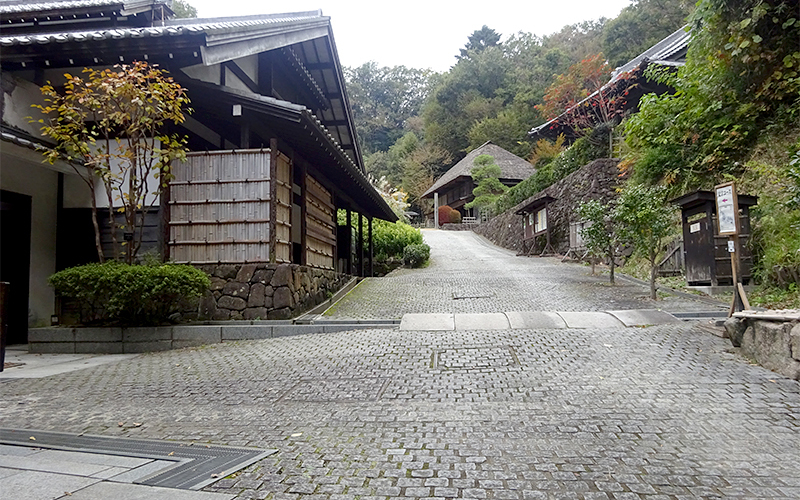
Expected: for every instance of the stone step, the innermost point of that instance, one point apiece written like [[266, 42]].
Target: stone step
[[535, 320]]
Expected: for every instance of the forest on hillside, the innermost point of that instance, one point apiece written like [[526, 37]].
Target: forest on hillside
[[414, 124], [732, 114]]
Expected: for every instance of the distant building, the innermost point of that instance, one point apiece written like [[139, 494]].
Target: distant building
[[456, 185], [627, 82]]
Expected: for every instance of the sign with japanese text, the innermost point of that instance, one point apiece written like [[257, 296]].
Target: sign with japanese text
[[727, 209]]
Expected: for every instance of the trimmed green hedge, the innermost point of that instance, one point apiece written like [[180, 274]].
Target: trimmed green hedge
[[416, 255], [129, 295]]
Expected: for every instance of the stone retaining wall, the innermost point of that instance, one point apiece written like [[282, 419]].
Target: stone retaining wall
[[596, 181], [263, 291], [772, 343]]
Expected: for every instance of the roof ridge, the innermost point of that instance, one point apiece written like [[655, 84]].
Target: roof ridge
[[254, 17]]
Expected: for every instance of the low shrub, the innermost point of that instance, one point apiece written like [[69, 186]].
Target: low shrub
[[449, 215], [416, 255], [389, 239], [129, 295]]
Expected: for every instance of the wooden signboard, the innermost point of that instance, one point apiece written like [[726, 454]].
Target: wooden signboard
[[727, 209]]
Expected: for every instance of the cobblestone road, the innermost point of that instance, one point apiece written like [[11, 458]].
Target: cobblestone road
[[467, 274], [637, 413], [664, 412]]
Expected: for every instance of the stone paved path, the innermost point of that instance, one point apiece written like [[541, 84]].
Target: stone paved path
[[663, 412], [637, 413], [468, 274]]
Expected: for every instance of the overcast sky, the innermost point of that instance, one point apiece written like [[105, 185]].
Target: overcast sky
[[421, 34]]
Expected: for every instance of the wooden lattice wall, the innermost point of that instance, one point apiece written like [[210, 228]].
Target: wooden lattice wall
[[219, 207], [283, 210], [320, 229]]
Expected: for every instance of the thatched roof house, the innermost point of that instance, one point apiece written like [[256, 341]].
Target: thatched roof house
[[456, 185]]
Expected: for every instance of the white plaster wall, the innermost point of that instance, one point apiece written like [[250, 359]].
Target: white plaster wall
[[100, 190], [41, 184], [234, 82], [249, 65], [203, 73], [17, 106]]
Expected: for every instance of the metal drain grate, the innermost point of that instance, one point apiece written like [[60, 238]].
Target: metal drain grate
[[195, 464]]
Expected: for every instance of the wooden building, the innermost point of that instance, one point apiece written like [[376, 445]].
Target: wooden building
[[535, 225], [274, 147], [455, 186], [706, 256], [626, 86]]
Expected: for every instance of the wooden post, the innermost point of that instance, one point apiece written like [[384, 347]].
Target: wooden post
[[349, 242], [728, 220], [436, 210], [273, 200], [303, 217], [371, 247], [4, 290], [360, 250]]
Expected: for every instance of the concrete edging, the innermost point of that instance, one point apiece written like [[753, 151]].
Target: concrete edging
[[134, 340]]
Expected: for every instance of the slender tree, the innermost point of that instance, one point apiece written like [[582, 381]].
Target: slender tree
[[646, 222], [111, 126]]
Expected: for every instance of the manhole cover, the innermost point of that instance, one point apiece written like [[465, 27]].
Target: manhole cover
[[345, 389], [475, 357], [195, 465]]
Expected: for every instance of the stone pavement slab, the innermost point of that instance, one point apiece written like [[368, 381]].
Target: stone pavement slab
[[644, 317], [535, 320], [481, 321], [589, 319], [429, 322], [46, 365], [34, 485], [117, 491]]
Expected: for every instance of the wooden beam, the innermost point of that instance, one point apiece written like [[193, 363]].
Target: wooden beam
[[241, 75]]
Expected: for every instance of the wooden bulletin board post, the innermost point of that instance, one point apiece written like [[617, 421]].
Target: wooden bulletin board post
[[728, 221]]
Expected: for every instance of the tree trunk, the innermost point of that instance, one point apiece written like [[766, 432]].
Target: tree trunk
[[97, 241], [653, 278], [613, 258]]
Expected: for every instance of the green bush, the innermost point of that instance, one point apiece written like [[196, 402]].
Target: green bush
[[389, 239], [416, 255], [582, 152], [129, 295]]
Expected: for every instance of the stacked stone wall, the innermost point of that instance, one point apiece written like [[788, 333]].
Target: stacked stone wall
[[598, 180], [263, 291]]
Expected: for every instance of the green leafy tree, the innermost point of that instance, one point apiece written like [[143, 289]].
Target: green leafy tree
[[645, 221], [384, 99], [479, 40], [489, 189], [640, 26], [183, 10], [600, 234], [111, 125], [740, 77]]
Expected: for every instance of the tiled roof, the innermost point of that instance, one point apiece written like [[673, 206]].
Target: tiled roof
[[20, 138], [21, 6], [511, 166], [671, 49], [175, 27]]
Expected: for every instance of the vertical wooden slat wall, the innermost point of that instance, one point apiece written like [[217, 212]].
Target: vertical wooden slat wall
[[283, 210], [320, 229], [219, 207]]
